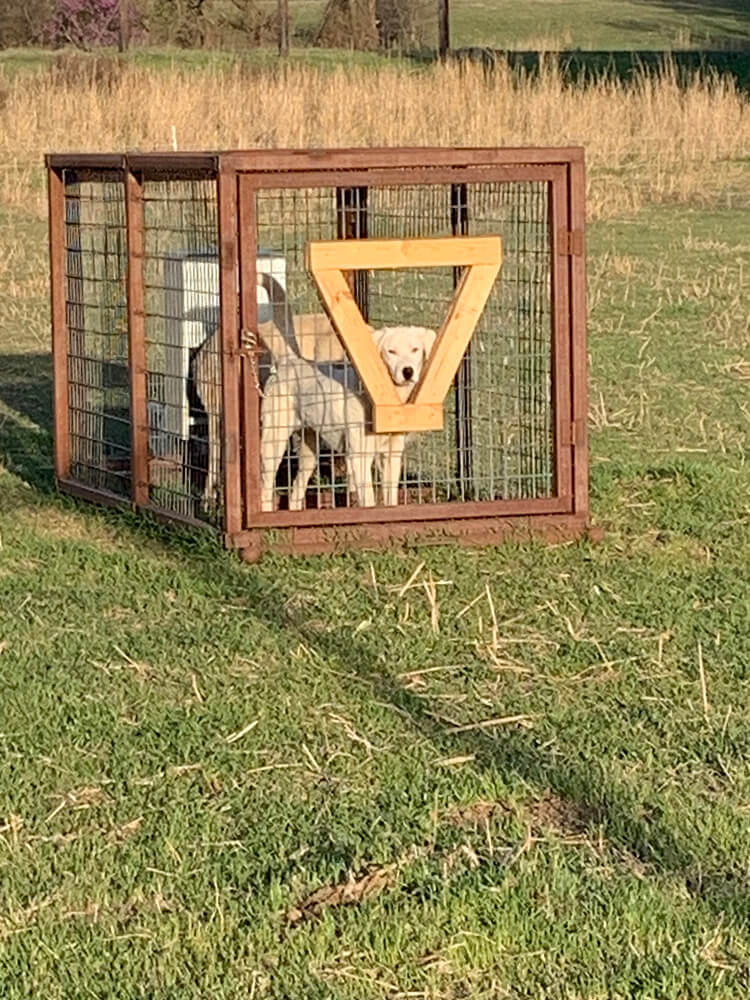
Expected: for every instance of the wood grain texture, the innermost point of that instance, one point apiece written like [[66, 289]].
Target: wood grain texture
[[481, 256], [56, 197], [139, 470], [457, 330], [372, 255]]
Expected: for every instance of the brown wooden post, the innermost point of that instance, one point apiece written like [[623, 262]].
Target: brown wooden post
[[351, 224], [56, 196], [139, 470], [579, 349], [230, 350], [283, 27], [444, 28], [559, 223], [462, 382], [249, 321], [123, 38]]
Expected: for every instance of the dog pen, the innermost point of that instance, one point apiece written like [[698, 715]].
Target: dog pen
[[166, 268]]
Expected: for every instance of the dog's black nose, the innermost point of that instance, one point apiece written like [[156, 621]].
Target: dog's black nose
[[407, 373]]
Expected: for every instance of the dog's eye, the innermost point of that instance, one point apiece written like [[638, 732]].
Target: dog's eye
[[391, 351], [415, 350]]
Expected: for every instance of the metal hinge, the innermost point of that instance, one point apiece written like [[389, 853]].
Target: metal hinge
[[571, 242]]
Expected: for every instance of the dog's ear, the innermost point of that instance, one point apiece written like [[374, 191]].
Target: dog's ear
[[377, 335], [428, 341]]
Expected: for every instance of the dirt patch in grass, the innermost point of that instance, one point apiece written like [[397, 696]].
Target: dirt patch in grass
[[554, 814], [549, 813]]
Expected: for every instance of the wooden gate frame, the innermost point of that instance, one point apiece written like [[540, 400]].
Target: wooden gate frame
[[328, 262], [239, 177]]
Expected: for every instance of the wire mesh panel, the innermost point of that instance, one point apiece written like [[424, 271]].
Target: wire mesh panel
[[496, 443], [95, 251], [286, 221], [198, 371], [183, 386], [512, 451]]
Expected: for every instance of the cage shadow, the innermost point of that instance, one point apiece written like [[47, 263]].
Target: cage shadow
[[707, 8], [588, 67], [26, 386], [26, 444], [579, 780]]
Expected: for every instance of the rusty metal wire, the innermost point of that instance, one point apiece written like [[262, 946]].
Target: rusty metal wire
[[497, 438], [184, 397], [96, 308], [497, 441]]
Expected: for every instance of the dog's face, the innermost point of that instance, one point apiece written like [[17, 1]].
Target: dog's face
[[405, 349]]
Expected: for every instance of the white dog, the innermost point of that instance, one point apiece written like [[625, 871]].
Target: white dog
[[312, 402], [207, 377], [323, 401]]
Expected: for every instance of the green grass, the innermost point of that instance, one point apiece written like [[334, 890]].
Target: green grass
[[602, 24], [29, 60], [597, 847], [608, 25]]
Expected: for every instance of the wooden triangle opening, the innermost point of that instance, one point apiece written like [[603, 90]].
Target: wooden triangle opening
[[481, 256]]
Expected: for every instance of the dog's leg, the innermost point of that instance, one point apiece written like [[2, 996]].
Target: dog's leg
[[277, 416], [208, 388], [211, 492], [306, 462], [392, 459], [359, 459]]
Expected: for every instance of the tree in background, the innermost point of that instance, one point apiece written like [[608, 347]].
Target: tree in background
[[376, 24], [22, 24], [178, 22], [349, 24], [402, 23], [89, 24], [93, 24], [246, 20]]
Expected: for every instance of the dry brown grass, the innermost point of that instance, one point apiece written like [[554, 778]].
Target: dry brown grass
[[651, 142]]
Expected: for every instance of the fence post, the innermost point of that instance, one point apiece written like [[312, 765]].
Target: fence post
[[462, 381], [58, 285], [444, 28], [137, 363], [123, 39], [283, 27], [230, 348]]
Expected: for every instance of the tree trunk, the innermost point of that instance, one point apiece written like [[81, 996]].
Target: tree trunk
[[349, 24], [123, 38]]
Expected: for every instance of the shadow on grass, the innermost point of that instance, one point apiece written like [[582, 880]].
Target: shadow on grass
[[26, 445], [26, 386], [577, 775], [581, 67], [737, 9]]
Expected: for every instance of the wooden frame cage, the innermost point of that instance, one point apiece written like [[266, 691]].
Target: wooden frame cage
[[178, 279]]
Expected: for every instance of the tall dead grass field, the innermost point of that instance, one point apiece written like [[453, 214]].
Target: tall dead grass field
[[652, 141]]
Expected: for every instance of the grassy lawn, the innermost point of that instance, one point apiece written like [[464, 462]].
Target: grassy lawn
[[536, 783], [26, 60], [609, 25], [525, 768], [602, 24]]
